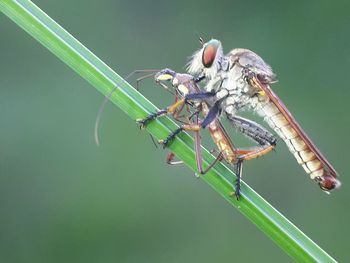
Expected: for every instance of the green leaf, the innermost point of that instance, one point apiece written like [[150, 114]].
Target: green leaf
[[28, 16]]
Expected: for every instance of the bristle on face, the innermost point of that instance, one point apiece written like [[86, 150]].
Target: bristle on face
[[205, 60]]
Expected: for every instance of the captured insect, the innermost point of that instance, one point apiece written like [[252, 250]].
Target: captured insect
[[238, 81], [184, 85]]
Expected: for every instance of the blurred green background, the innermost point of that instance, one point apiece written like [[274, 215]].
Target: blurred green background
[[63, 199]]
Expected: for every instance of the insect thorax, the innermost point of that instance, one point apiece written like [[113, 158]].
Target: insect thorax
[[236, 94]]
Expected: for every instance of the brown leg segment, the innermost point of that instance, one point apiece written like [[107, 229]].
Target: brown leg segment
[[171, 109], [199, 159], [170, 159], [249, 154]]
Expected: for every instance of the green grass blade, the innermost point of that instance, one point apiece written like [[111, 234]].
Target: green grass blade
[[80, 59]]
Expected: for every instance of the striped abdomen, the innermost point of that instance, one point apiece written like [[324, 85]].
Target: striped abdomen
[[300, 145]]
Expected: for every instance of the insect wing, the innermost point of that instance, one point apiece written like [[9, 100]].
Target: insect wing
[[293, 123]]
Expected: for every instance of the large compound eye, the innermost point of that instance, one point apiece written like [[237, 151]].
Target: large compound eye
[[209, 53]]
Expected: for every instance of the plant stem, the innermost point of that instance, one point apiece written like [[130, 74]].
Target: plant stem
[[28, 16]]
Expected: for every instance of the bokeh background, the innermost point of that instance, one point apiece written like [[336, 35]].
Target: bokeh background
[[63, 199]]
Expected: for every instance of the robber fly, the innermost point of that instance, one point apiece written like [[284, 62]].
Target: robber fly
[[184, 85], [241, 80]]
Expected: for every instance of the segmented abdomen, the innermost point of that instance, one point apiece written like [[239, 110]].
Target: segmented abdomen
[[305, 156]]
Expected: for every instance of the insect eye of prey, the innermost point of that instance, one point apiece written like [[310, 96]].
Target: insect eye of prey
[[209, 53]]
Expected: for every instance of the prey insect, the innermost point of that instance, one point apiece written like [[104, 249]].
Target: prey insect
[[185, 85], [241, 80]]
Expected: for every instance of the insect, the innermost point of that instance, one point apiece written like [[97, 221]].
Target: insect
[[185, 85], [241, 80]]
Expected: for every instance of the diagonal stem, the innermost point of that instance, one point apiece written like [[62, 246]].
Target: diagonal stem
[[80, 59]]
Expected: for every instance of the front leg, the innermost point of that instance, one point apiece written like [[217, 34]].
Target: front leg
[[200, 96], [144, 122], [211, 116], [239, 167]]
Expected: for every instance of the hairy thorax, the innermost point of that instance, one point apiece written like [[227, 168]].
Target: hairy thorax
[[235, 93]]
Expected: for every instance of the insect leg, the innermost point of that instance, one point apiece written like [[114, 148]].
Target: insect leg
[[170, 159], [172, 108], [239, 169], [256, 132], [144, 122], [250, 153], [202, 95], [252, 130], [184, 127], [199, 158], [212, 114]]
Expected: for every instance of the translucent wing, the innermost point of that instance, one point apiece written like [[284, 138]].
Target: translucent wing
[[248, 59], [316, 155]]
